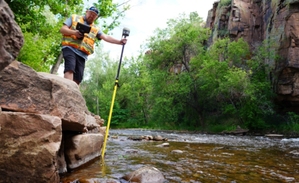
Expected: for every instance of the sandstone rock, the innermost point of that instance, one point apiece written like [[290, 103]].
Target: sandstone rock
[[91, 122], [102, 130], [136, 138], [237, 131], [274, 135], [240, 19], [163, 145], [159, 138], [29, 144], [95, 180], [145, 174], [148, 137], [99, 120], [61, 162], [294, 153], [11, 37], [176, 151], [81, 148], [43, 107], [24, 90]]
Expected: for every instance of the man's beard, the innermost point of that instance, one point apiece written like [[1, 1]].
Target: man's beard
[[89, 22]]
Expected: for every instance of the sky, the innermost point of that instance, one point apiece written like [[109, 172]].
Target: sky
[[145, 16]]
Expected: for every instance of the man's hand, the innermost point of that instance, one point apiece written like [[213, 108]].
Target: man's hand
[[123, 41], [65, 30], [110, 39], [78, 34]]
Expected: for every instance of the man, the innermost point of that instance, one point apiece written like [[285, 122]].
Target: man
[[77, 46]]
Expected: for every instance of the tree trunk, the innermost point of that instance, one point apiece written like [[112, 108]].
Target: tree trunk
[[55, 67]]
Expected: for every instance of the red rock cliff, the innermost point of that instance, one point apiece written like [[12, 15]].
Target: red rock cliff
[[273, 22]]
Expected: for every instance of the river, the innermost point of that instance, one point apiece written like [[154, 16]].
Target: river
[[193, 157]]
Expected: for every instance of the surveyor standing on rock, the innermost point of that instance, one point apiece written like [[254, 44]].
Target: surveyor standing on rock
[[76, 46]]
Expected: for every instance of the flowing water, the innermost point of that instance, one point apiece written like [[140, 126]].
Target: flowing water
[[196, 158]]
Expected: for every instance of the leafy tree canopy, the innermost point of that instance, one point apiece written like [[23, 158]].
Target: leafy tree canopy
[[40, 22]]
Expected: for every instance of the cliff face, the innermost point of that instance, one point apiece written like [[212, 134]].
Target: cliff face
[[274, 22]]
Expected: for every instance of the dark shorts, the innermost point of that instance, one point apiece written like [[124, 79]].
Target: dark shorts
[[74, 63]]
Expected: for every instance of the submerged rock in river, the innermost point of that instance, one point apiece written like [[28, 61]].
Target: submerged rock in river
[[145, 174]]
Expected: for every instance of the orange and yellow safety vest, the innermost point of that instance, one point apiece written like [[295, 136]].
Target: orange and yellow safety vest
[[86, 44]]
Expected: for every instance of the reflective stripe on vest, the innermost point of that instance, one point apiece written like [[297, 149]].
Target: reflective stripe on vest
[[87, 43]]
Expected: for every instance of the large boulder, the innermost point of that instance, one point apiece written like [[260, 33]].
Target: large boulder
[[37, 111], [24, 90], [29, 145], [81, 148], [11, 37]]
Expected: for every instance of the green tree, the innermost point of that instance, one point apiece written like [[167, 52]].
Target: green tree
[[245, 88], [97, 85], [40, 22], [175, 92], [134, 93], [259, 105], [31, 12], [181, 84]]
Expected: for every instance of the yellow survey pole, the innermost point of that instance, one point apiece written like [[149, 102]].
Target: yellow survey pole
[[109, 119], [126, 33]]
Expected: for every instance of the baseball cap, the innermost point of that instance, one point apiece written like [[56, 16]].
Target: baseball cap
[[94, 9]]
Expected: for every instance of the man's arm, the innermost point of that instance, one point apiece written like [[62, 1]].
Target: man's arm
[[110, 39], [65, 30]]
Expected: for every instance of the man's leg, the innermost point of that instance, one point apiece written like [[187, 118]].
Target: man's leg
[[79, 70], [69, 75], [69, 63]]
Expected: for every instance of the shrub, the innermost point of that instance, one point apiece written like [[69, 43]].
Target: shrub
[[225, 2]]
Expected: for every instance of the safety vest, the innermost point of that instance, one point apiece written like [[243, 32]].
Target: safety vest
[[86, 44]]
